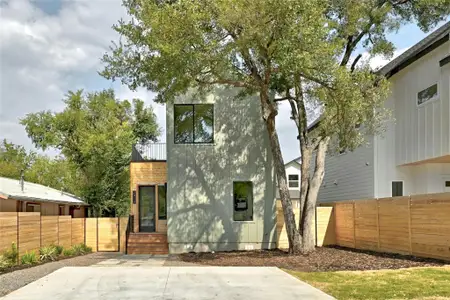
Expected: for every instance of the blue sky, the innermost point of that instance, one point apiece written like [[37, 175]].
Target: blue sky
[[49, 47]]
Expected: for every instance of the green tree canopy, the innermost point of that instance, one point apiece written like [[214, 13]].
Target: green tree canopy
[[95, 132]]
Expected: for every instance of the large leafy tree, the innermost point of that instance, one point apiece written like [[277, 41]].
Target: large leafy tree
[[57, 172], [95, 133], [298, 51]]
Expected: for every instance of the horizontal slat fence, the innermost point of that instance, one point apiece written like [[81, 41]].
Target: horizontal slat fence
[[415, 225], [31, 231]]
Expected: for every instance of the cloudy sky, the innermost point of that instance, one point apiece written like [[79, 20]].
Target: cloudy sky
[[48, 47]]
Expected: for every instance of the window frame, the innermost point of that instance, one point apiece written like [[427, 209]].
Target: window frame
[[253, 201], [193, 125], [165, 210], [403, 188], [298, 181], [432, 99]]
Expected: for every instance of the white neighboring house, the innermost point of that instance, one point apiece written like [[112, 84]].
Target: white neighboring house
[[293, 171], [413, 155]]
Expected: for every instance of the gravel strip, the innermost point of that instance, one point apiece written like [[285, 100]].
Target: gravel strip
[[14, 280], [322, 259]]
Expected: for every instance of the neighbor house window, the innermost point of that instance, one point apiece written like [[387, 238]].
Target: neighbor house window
[[33, 207], [430, 93], [61, 210], [162, 202], [242, 201], [194, 123], [397, 188], [447, 186], [293, 180]]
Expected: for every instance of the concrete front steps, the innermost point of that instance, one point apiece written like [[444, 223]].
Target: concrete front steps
[[147, 243]]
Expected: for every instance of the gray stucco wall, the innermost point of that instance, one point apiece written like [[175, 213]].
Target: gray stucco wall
[[200, 179]]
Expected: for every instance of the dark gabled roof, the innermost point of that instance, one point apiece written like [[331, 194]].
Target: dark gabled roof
[[429, 43]]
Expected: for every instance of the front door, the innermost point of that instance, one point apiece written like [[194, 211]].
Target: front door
[[147, 205]]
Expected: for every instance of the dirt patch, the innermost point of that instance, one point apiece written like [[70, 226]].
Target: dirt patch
[[323, 259]]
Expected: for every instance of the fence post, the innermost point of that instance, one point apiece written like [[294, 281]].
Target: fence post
[[409, 225], [378, 222], [17, 245], [354, 225]]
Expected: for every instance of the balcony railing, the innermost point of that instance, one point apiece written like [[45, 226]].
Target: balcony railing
[[149, 152]]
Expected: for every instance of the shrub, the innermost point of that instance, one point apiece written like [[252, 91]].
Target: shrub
[[12, 255], [29, 258], [68, 252], [47, 253], [81, 249], [59, 250], [4, 262]]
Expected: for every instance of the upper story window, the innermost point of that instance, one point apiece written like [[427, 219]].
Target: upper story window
[[293, 180], [430, 93], [194, 123]]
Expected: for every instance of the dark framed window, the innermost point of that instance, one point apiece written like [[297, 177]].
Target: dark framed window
[[61, 210], [242, 201], [397, 188], [293, 180], [430, 93], [33, 207], [162, 202], [194, 123]]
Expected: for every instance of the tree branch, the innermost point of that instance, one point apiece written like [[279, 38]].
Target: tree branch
[[352, 68], [224, 81]]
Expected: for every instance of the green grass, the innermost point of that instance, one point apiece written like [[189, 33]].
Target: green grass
[[414, 283]]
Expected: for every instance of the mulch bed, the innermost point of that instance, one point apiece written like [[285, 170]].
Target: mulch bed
[[323, 259]]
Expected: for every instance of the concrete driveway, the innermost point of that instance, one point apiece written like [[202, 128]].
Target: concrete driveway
[[173, 283]]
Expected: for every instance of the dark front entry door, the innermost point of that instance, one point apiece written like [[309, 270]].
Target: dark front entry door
[[147, 199]]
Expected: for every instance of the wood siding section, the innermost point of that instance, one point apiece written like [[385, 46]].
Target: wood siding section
[[8, 205], [417, 225], [147, 173]]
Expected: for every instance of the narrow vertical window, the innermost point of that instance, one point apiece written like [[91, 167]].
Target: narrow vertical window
[[243, 201], [162, 202], [397, 188]]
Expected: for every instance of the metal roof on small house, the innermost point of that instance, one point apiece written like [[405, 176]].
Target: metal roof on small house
[[12, 189]]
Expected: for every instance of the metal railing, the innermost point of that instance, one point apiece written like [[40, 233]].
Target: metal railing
[[150, 151], [130, 229]]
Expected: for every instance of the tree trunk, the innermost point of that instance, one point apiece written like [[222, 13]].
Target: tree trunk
[[308, 213], [269, 113]]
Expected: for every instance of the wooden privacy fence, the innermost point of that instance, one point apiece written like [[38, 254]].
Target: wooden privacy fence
[[31, 231], [324, 229], [416, 225]]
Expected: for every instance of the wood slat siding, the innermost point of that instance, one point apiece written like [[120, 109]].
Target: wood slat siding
[[91, 233], [416, 225], [147, 173], [108, 234], [49, 230], [29, 232], [77, 231], [65, 231], [282, 238], [8, 230]]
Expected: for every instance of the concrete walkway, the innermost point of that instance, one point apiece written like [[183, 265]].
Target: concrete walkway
[[99, 282]]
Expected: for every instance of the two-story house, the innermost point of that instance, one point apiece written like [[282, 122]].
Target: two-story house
[[413, 155], [211, 187]]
